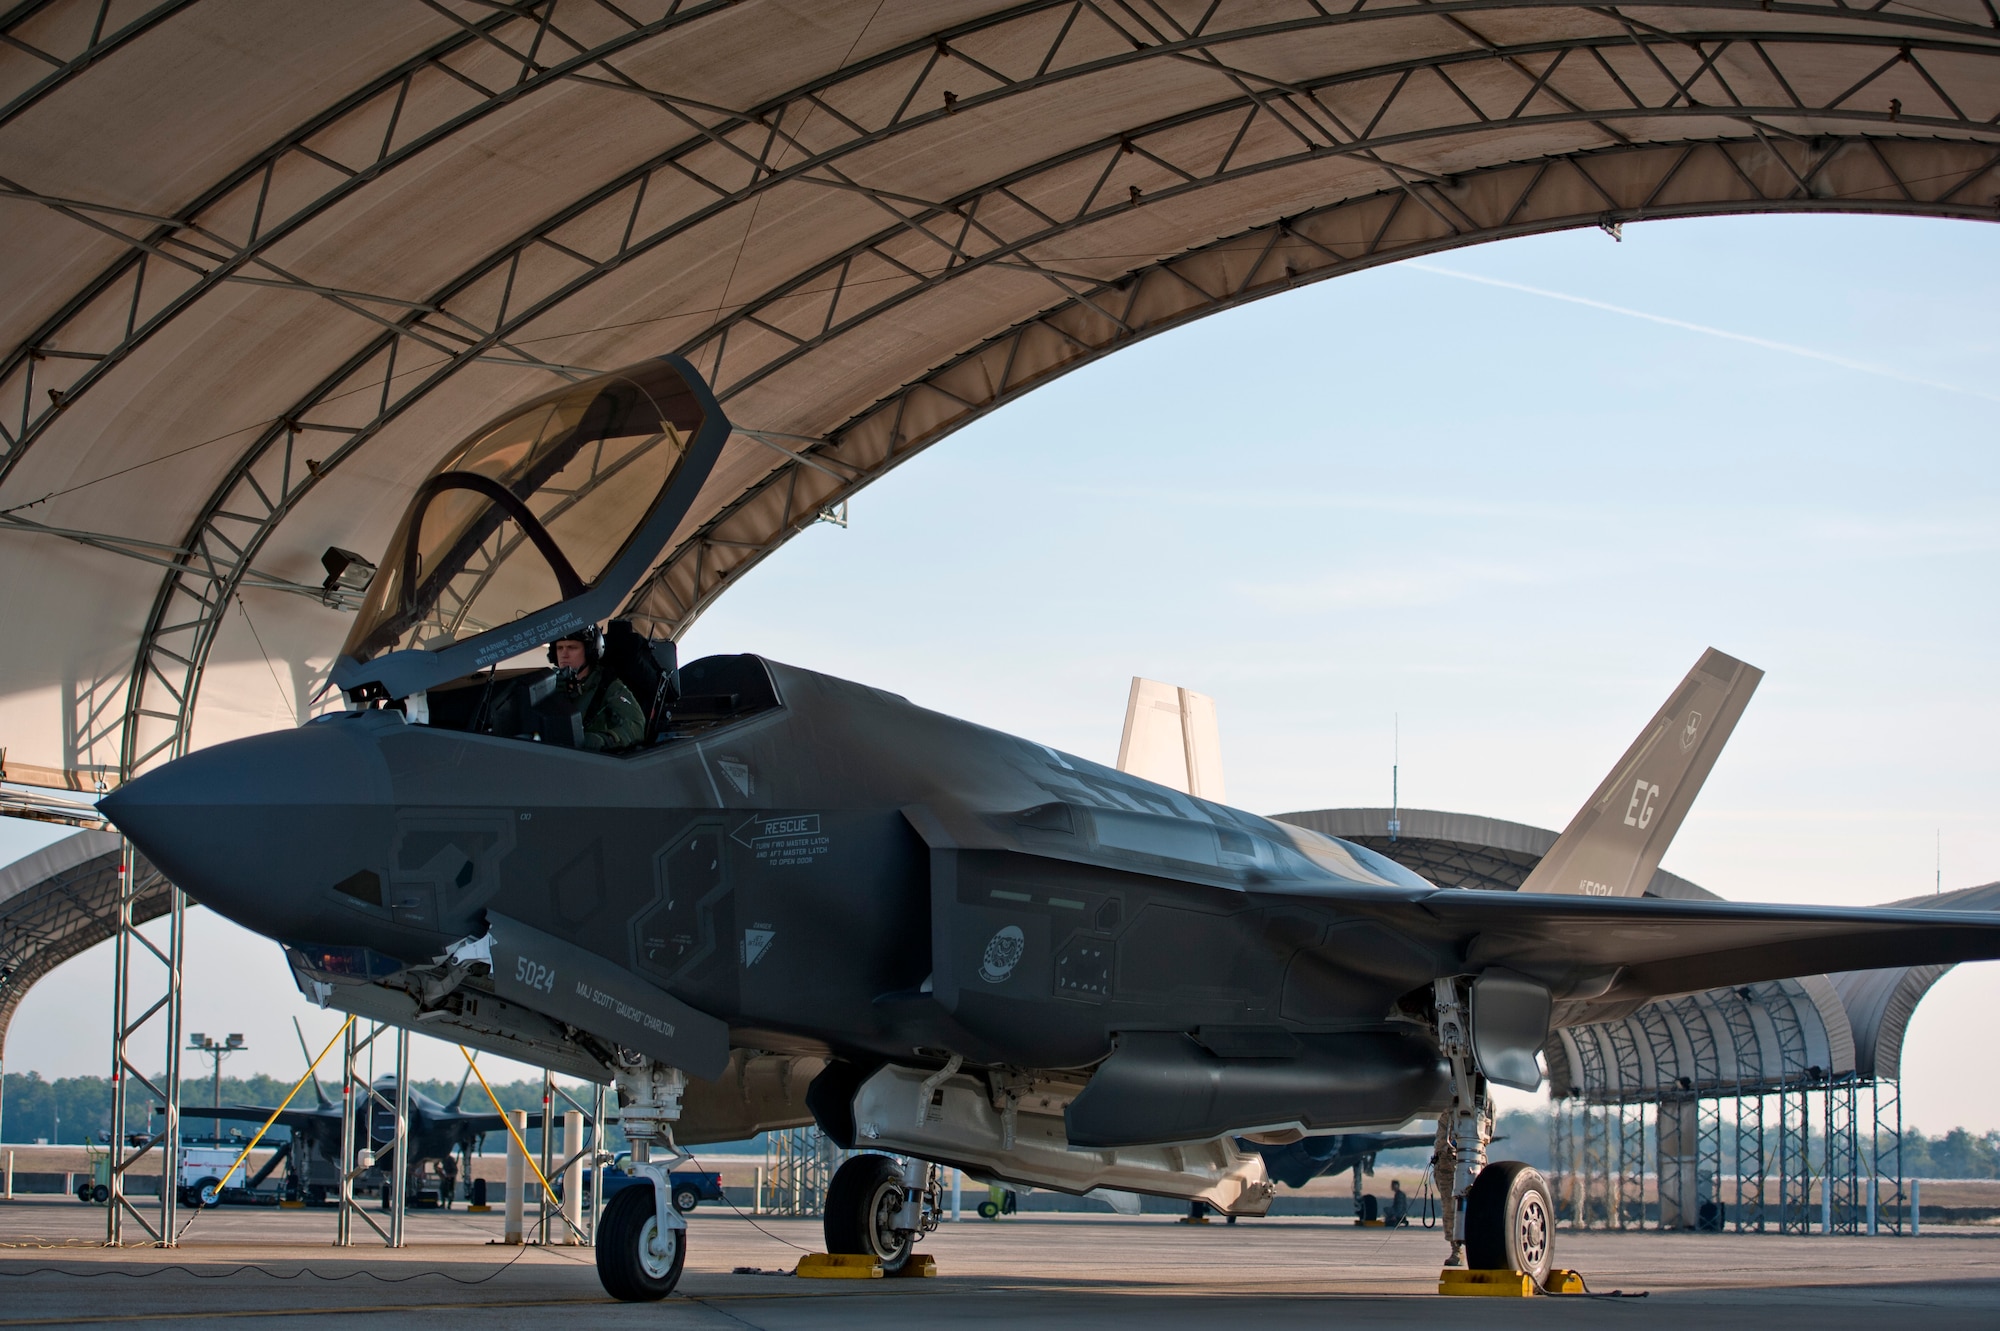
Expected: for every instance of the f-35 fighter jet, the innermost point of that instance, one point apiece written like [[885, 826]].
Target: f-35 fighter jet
[[442, 1139], [805, 899]]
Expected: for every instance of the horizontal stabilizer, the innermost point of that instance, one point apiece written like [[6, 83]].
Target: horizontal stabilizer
[[1616, 841], [1601, 959]]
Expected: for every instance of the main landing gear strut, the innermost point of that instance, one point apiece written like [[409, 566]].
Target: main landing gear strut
[[879, 1207], [1499, 1216]]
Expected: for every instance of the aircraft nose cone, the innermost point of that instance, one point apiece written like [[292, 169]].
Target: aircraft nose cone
[[260, 828]]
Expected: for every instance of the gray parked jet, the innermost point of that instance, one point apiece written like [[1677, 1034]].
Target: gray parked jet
[[994, 955], [442, 1140]]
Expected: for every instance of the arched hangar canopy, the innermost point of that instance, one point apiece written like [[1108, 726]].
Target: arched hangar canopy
[[262, 270]]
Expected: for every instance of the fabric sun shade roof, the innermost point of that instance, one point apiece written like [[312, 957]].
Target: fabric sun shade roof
[[262, 276]]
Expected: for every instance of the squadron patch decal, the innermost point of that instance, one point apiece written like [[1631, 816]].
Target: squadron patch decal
[[1003, 954]]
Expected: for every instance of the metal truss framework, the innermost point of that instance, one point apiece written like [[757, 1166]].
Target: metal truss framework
[[1671, 123], [130, 1148], [1847, 1181], [798, 1168], [360, 1145], [1712, 1058]]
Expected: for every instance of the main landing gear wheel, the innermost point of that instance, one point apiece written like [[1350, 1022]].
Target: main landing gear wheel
[[1510, 1221], [638, 1260], [861, 1207]]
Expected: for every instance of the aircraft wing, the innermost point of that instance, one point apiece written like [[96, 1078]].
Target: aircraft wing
[[485, 1122], [1603, 957], [296, 1119]]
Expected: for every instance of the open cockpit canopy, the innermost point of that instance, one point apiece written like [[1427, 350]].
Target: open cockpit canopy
[[536, 524]]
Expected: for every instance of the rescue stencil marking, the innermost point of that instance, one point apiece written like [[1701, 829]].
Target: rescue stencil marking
[[785, 843]]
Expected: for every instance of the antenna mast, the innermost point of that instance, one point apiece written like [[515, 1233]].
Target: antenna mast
[[1395, 778]]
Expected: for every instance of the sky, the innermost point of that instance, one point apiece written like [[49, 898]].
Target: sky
[[1474, 515]]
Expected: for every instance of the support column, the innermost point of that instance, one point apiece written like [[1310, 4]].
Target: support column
[[399, 1194], [123, 1158], [517, 1178], [1677, 1129], [572, 1198], [343, 1230], [548, 1135], [601, 1155]]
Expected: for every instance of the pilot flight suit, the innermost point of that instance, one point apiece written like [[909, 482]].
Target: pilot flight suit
[[611, 716]]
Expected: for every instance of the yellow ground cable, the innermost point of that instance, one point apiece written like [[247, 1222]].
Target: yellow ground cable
[[547, 1191], [311, 1068]]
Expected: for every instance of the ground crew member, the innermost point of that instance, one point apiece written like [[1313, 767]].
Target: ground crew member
[[1399, 1205]]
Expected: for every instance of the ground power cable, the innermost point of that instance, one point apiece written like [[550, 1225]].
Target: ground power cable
[[742, 1215], [196, 1273]]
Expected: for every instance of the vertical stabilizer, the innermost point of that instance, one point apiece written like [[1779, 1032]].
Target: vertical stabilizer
[[1616, 841], [1171, 737]]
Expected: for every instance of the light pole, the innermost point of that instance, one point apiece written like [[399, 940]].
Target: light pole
[[217, 1050]]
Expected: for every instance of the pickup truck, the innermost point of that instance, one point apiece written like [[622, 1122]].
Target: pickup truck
[[691, 1187]]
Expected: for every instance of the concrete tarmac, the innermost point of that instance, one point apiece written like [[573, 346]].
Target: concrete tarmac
[[254, 1267]]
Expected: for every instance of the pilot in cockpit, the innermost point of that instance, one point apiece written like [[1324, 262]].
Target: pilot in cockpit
[[612, 719]]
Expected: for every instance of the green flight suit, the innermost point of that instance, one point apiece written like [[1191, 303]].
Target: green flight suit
[[612, 718]]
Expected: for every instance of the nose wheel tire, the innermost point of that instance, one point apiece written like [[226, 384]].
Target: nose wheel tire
[[637, 1259], [1510, 1221], [862, 1202]]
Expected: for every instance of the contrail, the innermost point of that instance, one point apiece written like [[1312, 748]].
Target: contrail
[[1764, 342]]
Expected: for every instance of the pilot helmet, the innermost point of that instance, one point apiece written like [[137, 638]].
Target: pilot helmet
[[592, 639]]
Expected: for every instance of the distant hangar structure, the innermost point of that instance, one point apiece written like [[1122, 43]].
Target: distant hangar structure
[[1809, 1068], [1722, 1040], [261, 273]]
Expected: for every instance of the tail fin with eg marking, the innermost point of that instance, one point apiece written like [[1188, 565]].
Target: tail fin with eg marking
[[1616, 841]]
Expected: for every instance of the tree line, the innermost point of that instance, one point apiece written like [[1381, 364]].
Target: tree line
[[72, 1110]]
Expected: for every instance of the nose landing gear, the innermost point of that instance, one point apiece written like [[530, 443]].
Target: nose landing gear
[[642, 1239], [638, 1258]]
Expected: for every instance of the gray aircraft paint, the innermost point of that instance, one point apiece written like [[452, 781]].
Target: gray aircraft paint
[[934, 837]]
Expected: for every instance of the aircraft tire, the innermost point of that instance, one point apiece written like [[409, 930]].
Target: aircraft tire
[[100, 1194], [1510, 1221], [637, 1261], [864, 1196]]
